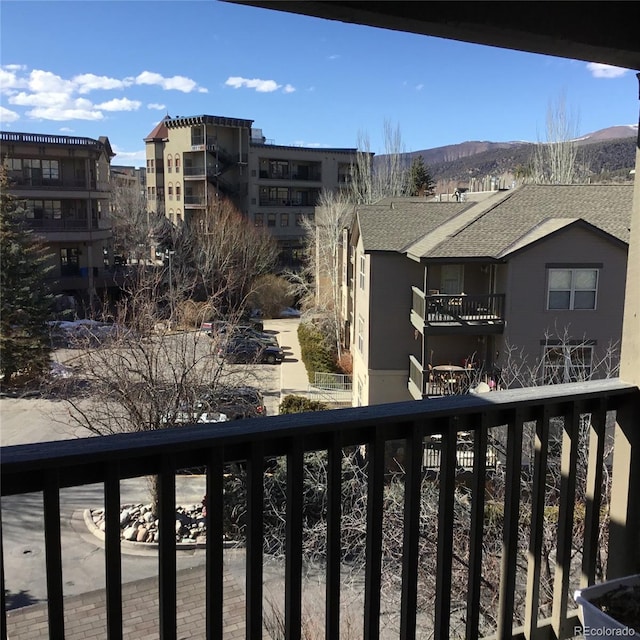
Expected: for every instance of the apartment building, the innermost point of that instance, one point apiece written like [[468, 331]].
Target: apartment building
[[440, 295], [64, 185], [193, 161]]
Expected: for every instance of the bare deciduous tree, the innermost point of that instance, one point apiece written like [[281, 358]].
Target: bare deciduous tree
[[554, 160], [387, 176], [135, 229], [224, 255]]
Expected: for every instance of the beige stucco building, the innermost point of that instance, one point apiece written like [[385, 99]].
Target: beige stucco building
[[192, 161], [64, 185]]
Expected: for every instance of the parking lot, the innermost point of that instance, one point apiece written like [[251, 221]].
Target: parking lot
[[24, 420]]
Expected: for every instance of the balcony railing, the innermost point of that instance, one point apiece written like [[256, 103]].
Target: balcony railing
[[460, 310], [484, 561], [194, 201], [61, 224]]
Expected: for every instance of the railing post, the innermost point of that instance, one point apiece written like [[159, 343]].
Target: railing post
[[624, 537], [624, 525]]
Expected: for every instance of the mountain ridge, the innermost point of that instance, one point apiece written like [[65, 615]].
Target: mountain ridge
[[608, 153]]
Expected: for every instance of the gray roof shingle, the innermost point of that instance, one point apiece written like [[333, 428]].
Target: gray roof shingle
[[497, 226]]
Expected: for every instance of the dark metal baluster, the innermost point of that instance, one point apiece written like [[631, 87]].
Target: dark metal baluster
[[411, 534], [565, 521], [478, 488], [334, 513], [255, 540], [445, 531], [215, 533], [510, 529], [53, 553], [375, 493], [113, 567], [293, 562], [537, 522], [167, 550], [593, 492]]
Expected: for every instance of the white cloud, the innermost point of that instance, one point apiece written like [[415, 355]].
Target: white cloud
[[132, 156], [419, 87], [6, 115], [89, 82], [599, 70], [178, 83], [9, 80], [45, 81], [119, 104], [47, 99], [66, 129], [261, 86], [335, 56], [49, 96], [55, 113]]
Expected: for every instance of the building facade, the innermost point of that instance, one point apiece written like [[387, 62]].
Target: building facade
[[194, 161], [63, 184], [526, 287]]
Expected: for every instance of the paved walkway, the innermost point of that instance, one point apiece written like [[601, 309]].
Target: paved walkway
[[85, 614]]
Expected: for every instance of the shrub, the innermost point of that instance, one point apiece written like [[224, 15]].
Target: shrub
[[316, 352], [299, 404]]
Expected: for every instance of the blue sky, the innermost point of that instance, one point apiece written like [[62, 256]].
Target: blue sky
[[115, 68]]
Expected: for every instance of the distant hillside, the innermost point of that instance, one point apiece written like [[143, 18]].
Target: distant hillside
[[609, 154]]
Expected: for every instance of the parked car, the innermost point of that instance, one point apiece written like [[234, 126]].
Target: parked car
[[289, 312], [234, 402], [244, 350]]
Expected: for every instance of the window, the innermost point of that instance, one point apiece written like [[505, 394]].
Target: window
[[50, 171], [259, 219], [360, 338], [44, 209], [361, 273], [271, 220], [299, 219], [169, 163], [69, 261], [567, 363], [178, 190], [572, 288], [177, 163], [150, 166], [170, 191], [284, 219]]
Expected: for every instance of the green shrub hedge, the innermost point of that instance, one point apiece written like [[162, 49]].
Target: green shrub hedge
[[299, 404], [317, 354]]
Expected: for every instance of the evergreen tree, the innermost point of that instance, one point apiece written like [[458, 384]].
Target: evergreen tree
[[25, 300], [420, 181]]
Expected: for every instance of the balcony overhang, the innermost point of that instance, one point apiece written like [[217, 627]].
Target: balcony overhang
[[596, 35]]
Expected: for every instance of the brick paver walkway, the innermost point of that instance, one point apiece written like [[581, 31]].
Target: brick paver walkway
[[85, 615]]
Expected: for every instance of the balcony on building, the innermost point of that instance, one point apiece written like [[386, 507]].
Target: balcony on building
[[276, 169], [287, 197], [531, 596], [459, 299]]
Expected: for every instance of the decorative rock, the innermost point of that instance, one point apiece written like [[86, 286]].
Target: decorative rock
[[148, 516], [178, 526], [142, 535], [130, 533], [125, 516]]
